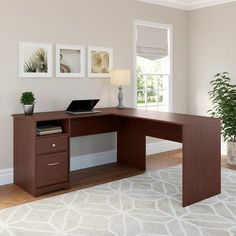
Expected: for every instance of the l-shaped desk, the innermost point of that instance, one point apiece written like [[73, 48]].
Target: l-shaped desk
[[41, 163]]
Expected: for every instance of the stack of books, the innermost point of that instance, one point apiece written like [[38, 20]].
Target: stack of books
[[48, 129]]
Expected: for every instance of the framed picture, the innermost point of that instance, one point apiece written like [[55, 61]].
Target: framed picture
[[100, 62], [35, 60], [70, 61]]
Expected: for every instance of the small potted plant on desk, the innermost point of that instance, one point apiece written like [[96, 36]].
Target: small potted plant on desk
[[28, 101], [223, 96]]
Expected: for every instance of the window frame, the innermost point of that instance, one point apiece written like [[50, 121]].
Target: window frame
[[169, 29]]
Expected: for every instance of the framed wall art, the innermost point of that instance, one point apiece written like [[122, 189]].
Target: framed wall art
[[35, 60], [70, 61], [100, 62]]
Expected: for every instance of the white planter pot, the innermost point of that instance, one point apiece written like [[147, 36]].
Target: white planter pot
[[28, 109], [231, 152]]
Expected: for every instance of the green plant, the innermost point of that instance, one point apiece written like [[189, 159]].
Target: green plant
[[27, 98], [223, 97]]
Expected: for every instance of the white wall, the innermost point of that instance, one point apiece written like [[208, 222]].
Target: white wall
[[106, 23], [212, 49]]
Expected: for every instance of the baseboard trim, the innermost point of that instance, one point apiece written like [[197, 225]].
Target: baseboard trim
[[6, 176], [162, 146], [96, 159]]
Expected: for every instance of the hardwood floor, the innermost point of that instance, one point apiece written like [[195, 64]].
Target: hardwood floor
[[12, 195]]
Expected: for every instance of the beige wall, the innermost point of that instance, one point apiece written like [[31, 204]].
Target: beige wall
[[212, 49], [106, 23]]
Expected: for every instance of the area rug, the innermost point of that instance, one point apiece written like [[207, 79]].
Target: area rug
[[144, 205]]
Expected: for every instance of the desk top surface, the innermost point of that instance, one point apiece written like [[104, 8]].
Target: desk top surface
[[165, 117]]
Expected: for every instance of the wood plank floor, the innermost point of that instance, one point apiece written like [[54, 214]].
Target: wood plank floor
[[12, 195]]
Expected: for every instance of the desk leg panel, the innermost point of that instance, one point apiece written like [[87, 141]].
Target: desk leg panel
[[24, 154], [201, 161], [131, 148]]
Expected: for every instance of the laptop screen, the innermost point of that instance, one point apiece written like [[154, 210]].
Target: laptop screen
[[82, 105]]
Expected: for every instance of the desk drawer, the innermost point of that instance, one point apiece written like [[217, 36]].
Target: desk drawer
[[47, 145], [52, 169]]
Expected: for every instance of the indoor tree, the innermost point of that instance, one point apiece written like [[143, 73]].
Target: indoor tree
[[223, 97]]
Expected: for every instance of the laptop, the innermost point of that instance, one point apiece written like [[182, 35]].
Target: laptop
[[82, 106]]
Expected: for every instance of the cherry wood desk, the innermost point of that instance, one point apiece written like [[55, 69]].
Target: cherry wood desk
[[41, 164]]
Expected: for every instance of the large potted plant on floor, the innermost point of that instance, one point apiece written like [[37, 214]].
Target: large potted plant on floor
[[223, 97], [28, 101]]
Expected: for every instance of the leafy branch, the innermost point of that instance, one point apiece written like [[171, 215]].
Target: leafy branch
[[27, 98], [223, 97], [37, 62]]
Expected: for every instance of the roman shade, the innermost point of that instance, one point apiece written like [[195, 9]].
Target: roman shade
[[152, 42]]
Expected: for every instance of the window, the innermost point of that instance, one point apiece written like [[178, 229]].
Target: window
[[153, 67]]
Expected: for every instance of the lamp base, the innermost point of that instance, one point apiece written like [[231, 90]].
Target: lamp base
[[120, 98], [120, 106]]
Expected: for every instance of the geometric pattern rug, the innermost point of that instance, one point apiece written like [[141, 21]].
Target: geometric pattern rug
[[144, 205]]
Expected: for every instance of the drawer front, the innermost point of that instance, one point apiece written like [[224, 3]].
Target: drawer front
[[47, 145], [52, 169]]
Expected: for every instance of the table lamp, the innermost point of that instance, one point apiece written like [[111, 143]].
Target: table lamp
[[120, 77]]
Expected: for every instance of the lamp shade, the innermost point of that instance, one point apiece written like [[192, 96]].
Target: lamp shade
[[120, 77]]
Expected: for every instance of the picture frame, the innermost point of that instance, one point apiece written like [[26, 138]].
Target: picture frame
[[70, 61], [35, 60], [100, 62]]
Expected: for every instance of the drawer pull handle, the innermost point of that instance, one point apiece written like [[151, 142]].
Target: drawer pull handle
[[53, 145], [54, 164]]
